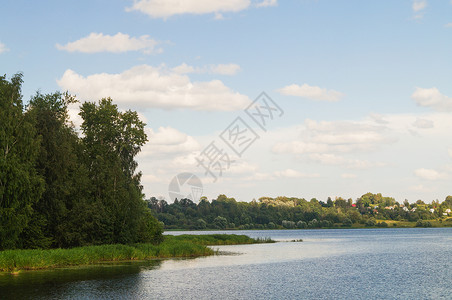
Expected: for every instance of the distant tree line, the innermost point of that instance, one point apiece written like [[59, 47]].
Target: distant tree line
[[59, 189], [285, 212]]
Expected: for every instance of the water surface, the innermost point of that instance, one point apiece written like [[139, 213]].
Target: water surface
[[412, 263]]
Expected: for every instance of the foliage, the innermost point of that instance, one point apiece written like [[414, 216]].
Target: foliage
[[61, 190], [20, 185], [172, 246], [285, 212]]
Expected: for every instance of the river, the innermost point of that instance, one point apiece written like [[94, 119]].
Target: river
[[412, 263]]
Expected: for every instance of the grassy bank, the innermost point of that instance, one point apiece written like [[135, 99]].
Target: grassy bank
[[172, 246]]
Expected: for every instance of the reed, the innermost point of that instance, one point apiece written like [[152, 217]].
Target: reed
[[172, 246]]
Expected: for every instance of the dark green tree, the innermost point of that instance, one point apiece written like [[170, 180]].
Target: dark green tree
[[112, 140], [20, 185], [57, 214]]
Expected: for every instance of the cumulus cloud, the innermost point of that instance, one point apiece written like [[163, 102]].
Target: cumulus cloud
[[423, 123], [167, 140], [221, 69], [118, 43], [311, 92], [267, 3], [428, 174], [168, 8], [146, 86], [335, 137], [290, 173], [333, 142], [3, 48], [432, 98]]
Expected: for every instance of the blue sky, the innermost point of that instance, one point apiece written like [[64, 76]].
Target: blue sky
[[364, 86]]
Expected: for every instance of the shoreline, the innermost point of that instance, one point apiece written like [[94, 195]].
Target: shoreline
[[182, 246], [435, 223]]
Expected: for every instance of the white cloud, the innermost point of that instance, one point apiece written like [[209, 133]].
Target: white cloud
[[218, 16], [259, 176], [311, 92], [336, 137], [420, 188], [423, 123], [428, 174], [221, 69], [184, 69], [419, 5], [225, 69], [448, 25], [333, 159], [98, 42], [167, 140], [348, 175], [450, 152], [267, 3], [328, 158], [290, 173], [3, 48], [240, 167], [378, 119], [150, 178], [168, 8], [146, 86], [432, 98]]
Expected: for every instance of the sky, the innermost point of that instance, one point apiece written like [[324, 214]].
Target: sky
[[357, 94]]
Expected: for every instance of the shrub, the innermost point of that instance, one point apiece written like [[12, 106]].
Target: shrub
[[302, 224]]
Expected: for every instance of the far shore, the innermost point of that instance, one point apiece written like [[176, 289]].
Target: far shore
[[435, 223]]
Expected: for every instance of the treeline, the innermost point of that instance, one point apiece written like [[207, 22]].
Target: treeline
[[284, 212], [58, 189]]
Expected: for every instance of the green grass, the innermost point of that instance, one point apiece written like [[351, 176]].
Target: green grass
[[172, 246], [219, 239]]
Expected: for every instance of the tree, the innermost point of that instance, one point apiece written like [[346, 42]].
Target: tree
[[347, 222], [59, 163], [112, 140], [20, 185], [220, 222], [201, 224]]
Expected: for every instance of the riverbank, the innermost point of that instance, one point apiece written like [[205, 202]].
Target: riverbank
[[376, 223], [173, 246]]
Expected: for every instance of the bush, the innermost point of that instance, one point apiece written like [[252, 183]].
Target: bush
[[347, 222], [371, 222], [220, 222], [382, 224], [201, 224], [314, 223], [302, 225], [288, 224], [271, 225]]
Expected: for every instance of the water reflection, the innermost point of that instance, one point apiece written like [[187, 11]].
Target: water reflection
[[68, 282], [358, 264]]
